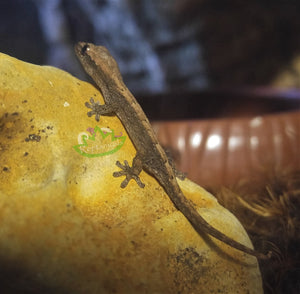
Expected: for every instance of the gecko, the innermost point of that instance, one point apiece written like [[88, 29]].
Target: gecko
[[150, 156]]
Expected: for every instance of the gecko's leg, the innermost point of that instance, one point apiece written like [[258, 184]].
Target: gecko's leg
[[179, 174], [130, 172], [97, 109]]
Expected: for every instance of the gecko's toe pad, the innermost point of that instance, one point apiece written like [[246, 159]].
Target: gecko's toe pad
[[129, 172]]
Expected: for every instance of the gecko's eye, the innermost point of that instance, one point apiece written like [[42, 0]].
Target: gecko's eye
[[85, 48]]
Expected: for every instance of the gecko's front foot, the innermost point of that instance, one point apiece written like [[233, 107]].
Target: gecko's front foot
[[97, 109], [130, 173]]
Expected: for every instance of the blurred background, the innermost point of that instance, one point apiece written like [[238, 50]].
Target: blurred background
[[220, 81], [217, 55], [163, 46]]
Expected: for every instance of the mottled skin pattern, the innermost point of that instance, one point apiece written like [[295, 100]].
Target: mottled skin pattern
[[150, 156]]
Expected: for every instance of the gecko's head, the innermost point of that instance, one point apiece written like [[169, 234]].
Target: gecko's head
[[84, 49], [94, 57], [93, 53], [90, 51]]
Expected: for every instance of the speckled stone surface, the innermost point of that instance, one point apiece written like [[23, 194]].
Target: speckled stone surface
[[65, 222]]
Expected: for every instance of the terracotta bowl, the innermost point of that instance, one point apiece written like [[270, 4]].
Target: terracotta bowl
[[223, 151]]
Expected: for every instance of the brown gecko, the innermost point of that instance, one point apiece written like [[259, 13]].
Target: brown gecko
[[150, 156]]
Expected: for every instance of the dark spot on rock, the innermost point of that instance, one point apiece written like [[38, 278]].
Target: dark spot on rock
[[32, 127], [33, 137], [26, 154], [24, 101], [31, 120], [6, 169], [188, 266], [30, 111], [50, 127], [134, 244], [15, 113]]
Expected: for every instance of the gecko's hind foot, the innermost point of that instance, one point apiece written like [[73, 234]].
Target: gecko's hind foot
[[129, 172]]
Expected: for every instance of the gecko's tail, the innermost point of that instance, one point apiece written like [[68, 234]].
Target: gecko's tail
[[201, 225]]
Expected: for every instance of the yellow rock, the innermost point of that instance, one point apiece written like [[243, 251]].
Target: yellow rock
[[68, 227]]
